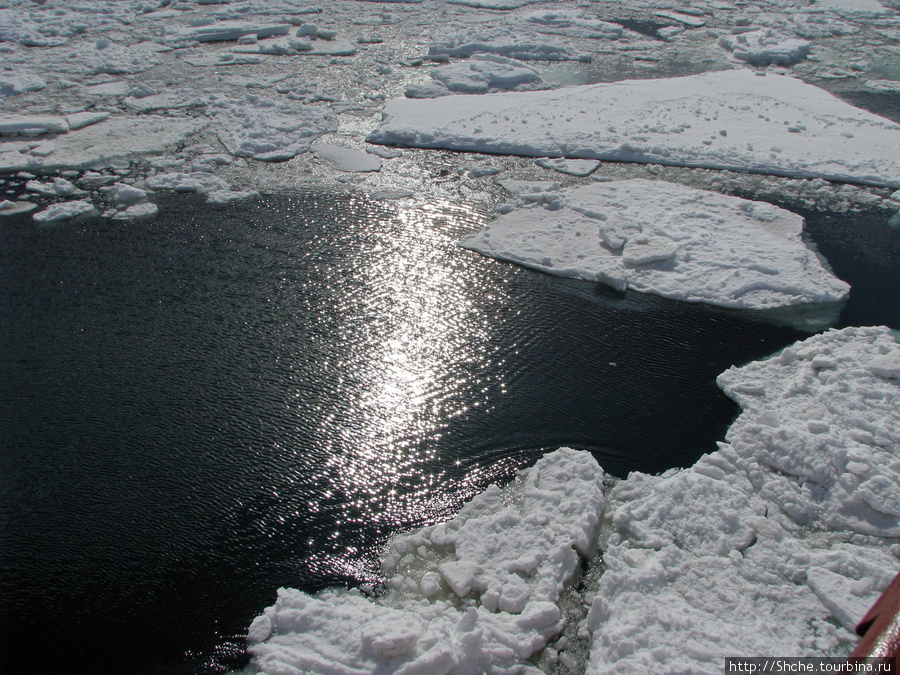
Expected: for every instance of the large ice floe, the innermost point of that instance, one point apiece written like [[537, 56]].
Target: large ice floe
[[735, 119], [47, 142], [666, 239], [478, 593], [778, 542]]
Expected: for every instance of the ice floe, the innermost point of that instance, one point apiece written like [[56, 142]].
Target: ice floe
[[343, 158], [482, 73], [55, 145], [734, 119], [478, 593], [765, 544], [268, 130], [64, 211], [764, 46], [666, 239]]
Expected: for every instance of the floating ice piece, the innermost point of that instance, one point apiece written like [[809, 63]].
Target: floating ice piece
[[737, 554], [15, 83], [384, 195], [837, 480], [197, 181], [765, 46], [60, 187], [690, 20], [92, 59], [85, 119], [572, 23], [511, 554], [229, 196], [125, 194], [268, 130], [116, 137], [343, 158], [487, 72], [503, 41], [142, 210], [8, 208], [725, 120], [573, 167], [64, 211], [32, 125], [860, 9], [666, 239], [228, 30], [175, 100]]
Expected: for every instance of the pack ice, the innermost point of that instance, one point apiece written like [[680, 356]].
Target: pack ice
[[779, 541], [734, 119], [666, 239], [478, 593]]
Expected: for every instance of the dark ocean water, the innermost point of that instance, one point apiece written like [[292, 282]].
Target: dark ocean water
[[199, 408]]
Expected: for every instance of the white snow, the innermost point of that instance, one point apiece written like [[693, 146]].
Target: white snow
[[64, 211], [228, 30], [343, 158], [759, 545], [268, 130], [478, 593], [764, 46], [666, 239], [726, 120], [103, 140], [196, 182], [479, 74]]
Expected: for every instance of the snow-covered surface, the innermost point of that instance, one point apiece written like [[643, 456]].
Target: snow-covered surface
[[478, 593], [64, 211], [666, 239], [765, 46], [482, 73], [764, 545], [268, 130], [732, 119], [343, 158]]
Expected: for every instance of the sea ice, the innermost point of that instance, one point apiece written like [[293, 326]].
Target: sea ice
[[513, 41], [227, 30], [764, 46], [666, 239], [763, 544], [106, 139], [477, 75], [64, 211], [13, 83], [734, 119], [268, 130], [478, 593], [343, 158]]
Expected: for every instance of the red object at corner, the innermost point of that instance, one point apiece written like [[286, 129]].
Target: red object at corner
[[880, 627]]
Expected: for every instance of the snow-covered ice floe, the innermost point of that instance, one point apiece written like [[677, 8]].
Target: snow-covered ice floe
[[268, 130], [45, 143], [764, 46], [734, 119], [478, 593], [666, 239], [778, 542]]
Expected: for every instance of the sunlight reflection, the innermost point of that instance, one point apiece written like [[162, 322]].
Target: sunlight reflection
[[413, 338]]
